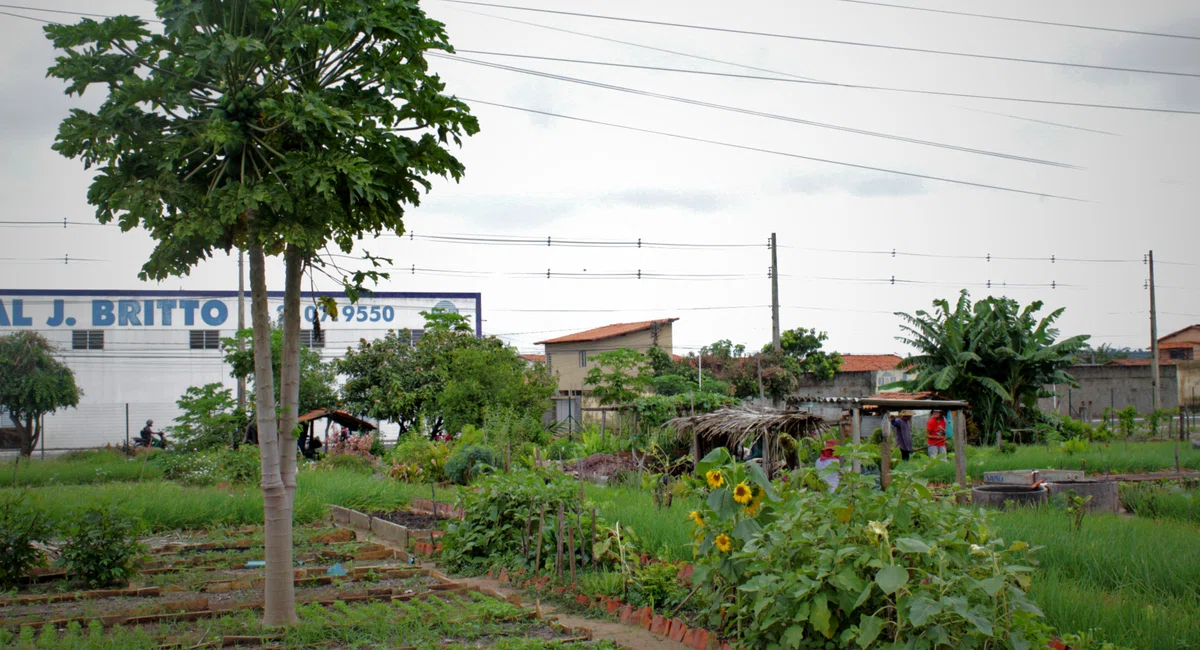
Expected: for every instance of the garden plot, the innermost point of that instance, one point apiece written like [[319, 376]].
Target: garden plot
[[205, 590]]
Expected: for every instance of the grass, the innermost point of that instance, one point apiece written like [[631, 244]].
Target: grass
[[1161, 502], [78, 468], [1135, 580], [1115, 457], [164, 505], [660, 532]]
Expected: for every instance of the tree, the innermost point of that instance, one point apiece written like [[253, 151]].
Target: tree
[[207, 418], [1101, 355], [804, 346], [488, 374], [387, 379], [274, 126], [33, 383], [619, 376], [993, 354]]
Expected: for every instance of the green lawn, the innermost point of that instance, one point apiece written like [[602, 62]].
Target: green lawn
[[78, 468], [1115, 457]]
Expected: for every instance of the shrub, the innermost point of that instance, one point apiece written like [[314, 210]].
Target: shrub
[[1075, 446], [208, 419], [415, 459], [657, 585], [241, 467], [21, 525], [856, 567], [563, 449], [354, 462], [101, 546], [470, 462]]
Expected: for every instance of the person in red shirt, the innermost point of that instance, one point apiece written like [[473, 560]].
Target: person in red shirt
[[935, 434]]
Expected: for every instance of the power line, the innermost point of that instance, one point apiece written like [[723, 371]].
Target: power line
[[1023, 20], [772, 116], [735, 64], [815, 82], [829, 41], [71, 13], [38, 20], [548, 241], [777, 153]]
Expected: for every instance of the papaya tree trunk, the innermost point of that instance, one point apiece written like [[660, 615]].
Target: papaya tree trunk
[[289, 372], [279, 594]]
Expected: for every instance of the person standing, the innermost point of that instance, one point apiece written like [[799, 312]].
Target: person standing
[[902, 426], [935, 434], [827, 459]]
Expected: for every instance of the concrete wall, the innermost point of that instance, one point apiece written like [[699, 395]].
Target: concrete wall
[[1189, 383], [1105, 386], [563, 358]]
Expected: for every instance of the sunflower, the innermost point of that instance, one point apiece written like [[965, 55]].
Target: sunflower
[[742, 493], [724, 544], [714, 478], [695, 515], [759, 493], [752, 509]]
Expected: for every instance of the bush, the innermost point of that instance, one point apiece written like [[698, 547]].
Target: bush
[[415, 459], [657, 586], [21, 525], [856, 567], [353, 462], [470, 462], [241, 467], [101, 546], [208, 420], [563, 449]]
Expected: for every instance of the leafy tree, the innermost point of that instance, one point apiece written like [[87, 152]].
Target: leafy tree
[[1101, 355], [207, 418], [275, 126], [619, 376], [490, 374], [318, 379], [388, 379], [33, 383], [804, 346], [993, 354]]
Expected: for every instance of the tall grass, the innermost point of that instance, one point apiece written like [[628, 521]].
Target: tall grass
[[1161, 502], [1115, 457], [1135, 579], [163, 505], [78, 468], [662, 532]]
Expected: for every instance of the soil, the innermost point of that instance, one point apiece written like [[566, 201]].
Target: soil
[[409, 519], [600, 465]]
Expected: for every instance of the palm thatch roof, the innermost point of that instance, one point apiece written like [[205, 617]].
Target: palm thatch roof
[[746, 424]]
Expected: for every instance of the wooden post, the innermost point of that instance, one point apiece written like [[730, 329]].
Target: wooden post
[[603, 424], [960, 450], [885, 452], [766, 457], [537, 562], [856, 434], [558, 558], [571, 541]]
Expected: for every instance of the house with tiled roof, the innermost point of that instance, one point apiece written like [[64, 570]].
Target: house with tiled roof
[[1183, 345], [860, 375], [569, 357]]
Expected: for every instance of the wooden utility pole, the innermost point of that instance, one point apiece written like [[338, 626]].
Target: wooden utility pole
[[774, 295], [1154, 396]]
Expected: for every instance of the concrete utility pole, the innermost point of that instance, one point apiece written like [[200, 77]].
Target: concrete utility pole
[[774, 295], [241, 385], [1154, 396]]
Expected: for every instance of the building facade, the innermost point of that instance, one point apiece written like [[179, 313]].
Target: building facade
[[135, 352]]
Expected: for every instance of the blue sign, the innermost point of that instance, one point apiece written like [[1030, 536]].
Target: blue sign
[[122, 313]]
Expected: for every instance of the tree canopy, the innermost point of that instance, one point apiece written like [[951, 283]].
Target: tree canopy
[[449, 376], [618, 376], [33, 383], [994, 354], [318, 379]]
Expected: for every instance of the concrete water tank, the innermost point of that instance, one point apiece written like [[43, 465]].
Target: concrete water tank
[[1106, 495], [999, 496]]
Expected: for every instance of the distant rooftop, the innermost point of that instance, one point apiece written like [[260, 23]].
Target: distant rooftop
[[868, 362], [608, 331]]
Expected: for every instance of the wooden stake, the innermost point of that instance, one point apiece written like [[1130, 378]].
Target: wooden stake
[[571, 540], [558, 558], [960, 451], [537, 562], [885, 453]]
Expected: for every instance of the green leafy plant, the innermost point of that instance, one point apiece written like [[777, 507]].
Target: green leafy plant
[[1076, 508], [101, 546], [467, 463], [656, 585], [206, 420], [33, 383], [21, 526], [858, 567], [1075, 446], [416, 459], [618, 376]]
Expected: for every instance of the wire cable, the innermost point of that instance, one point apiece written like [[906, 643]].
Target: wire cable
[[829, 41], [815, 82], [772, 116], [1023, 20], [778, 153]]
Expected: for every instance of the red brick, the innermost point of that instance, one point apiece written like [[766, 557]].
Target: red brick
[[583, 600], [647, 618], [659, 625], [626, 615], [697, 639], [611, 605], [686, 572], [676, 630]]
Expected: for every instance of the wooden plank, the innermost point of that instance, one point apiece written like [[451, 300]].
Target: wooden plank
[[885, 452]]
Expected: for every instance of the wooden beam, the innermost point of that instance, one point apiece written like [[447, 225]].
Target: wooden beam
[[856, 434], [885, 453], [960, 450]]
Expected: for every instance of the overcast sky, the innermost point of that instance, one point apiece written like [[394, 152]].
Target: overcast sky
[[1135, 185]]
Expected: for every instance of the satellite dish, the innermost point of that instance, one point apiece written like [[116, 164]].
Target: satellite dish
[[446, 306]]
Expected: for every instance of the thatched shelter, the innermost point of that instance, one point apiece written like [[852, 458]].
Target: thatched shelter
[[737, 428]]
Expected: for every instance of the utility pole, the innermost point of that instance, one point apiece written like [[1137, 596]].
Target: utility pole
[[775, 295], [241, 385], [1154, 397]]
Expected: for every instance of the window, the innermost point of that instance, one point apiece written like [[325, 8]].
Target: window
[[205, 339], [87, 339], [416, 336], [1180, 354], [583, 358], [307, 340], [547, 359]]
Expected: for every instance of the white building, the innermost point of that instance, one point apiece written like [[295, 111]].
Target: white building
[[136, 352]]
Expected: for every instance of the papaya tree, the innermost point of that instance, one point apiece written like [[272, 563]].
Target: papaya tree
[[279, 127]]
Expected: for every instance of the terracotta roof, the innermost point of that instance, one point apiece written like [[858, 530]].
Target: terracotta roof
[[1179, 345], [608, 331], [867, 362], [1176, 333], [534, 358]]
